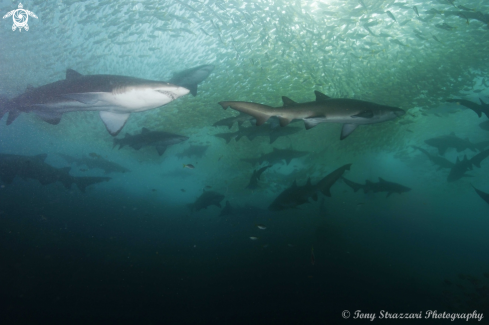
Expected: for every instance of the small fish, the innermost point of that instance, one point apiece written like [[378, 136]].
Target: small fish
[[153, 190], [220, 158], [416, 10], [451, 2], [183, 190], [465, 8], [313, 258], [261, 227], [253, 238], [208, 187], [391, 15], [94, 155], [189, 166]]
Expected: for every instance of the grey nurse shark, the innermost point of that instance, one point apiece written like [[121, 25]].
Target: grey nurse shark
[[158, 139], [349, 112], [115, 97]]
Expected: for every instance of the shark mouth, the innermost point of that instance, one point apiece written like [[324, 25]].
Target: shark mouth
[[168, 93]]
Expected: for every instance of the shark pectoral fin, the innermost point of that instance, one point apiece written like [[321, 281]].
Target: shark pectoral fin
[[347, 130], [161, 150], [309, 123], [52, 117], [389, 194], [85, 98], [364, 114], [12, 115], [114, 122]]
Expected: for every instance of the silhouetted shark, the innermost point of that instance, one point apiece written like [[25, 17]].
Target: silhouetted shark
[[246, 211], [229, 121], [255, 177], [158, 139], [349, 112], [462, 166], [277, 156], [115, 97], [207, 198], [297, 195], [190, 78], [441, 162], [34, 167], [381, 186], [442, 143], [483, 195], [99, 162], [478, 109]]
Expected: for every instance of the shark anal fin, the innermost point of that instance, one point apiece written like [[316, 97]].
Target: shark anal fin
[[114, 122], [311, 122], [347, 130], [284, 121], [52, 117], [193, 89]]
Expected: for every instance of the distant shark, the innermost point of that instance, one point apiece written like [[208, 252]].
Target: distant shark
[[462, 166], [246, 211], [478, 109], [296, 195], [207, 198], [255, 177], [34, 167], [158, 139], [442, 143], [115, 97], [99, 162], [190, 78], [381, 186], [277, 156], [349, 112], [441, 162]]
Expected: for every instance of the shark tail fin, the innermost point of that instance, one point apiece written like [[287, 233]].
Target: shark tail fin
[[355, 186], [83, 182], [260, 112]]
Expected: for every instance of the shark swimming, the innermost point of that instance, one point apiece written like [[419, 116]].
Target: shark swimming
[[207, 198], [277, 156], [115, 97], [381, 186], [190, 78], [483, 195], [442, 143], [349, 112], [255, 178], [34, 167], [462, 166], [159, 139], [296, 195], [441, 162]]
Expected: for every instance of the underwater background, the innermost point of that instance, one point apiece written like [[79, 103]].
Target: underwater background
[[134, 249]]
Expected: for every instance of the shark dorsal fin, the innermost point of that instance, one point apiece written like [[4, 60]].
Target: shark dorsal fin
[[42, 156], [320, 97], [457, 161], [482, 103], [29, 88], [288, 102], [144, 130], [381, 180], [452, 133], [72, 74]]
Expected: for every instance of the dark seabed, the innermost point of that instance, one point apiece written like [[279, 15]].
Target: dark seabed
[[187, 213]]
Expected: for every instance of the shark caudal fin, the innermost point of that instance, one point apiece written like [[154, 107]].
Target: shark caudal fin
[[260, 112], [355, 186]]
